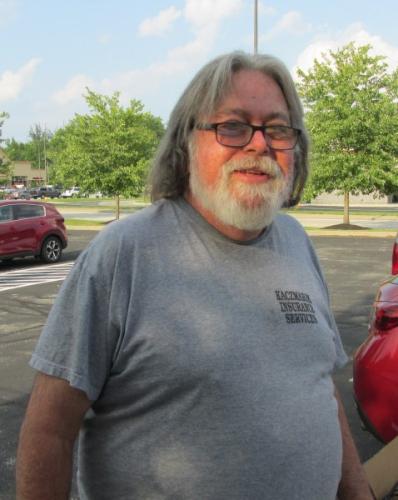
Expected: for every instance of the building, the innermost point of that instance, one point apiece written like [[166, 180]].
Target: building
[[360, 199], [22, 173]]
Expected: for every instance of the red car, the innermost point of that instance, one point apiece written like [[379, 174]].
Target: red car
[[31, 228], [376, 362]]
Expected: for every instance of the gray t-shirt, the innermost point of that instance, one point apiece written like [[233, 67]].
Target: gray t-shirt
[[208, 362]]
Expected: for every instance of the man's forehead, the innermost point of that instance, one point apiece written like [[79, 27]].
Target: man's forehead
[[223, 111]]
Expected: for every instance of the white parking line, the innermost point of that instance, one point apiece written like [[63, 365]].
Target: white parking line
[[34, 276]]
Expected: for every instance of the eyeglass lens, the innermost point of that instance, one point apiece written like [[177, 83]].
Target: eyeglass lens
[[240, 134]]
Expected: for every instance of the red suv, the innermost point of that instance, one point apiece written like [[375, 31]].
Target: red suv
[[30, 228], [376, 362]]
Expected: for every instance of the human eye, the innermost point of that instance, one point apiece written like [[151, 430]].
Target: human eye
[[280, 132], [232, 128]]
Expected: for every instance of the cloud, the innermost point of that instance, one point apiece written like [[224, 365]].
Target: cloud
[[291, 23], [12, 83], [204, 17], [266, 10], [73, 90], [160, 24], [141, 82], [145, 83], [8, 9], [202, 13], [353, 33]]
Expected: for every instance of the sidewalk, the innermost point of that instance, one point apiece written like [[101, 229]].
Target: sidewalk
[[368, 233], [374, 224], [311, 230], [319, 224]]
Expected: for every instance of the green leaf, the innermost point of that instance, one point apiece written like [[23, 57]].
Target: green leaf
[[108, 149], [351, 100]]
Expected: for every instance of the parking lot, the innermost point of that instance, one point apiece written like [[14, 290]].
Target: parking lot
[[354, 266]]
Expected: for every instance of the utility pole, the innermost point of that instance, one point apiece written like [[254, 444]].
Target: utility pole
[[45, 156], [255, 26]]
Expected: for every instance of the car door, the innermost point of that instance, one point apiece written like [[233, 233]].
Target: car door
[[27, 224], [6, 230]]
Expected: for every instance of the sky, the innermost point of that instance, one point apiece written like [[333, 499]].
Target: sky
[[52, 50]]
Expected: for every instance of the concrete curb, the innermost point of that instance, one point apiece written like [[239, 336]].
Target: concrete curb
[[311, 232], [358, 233]]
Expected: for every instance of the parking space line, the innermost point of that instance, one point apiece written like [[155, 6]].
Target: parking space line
[[34, 276]]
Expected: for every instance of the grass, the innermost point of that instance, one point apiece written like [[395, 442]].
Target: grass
[[96, 204], [360, 212], [112, 200], [91, 205], [84, 223], [75, 199]]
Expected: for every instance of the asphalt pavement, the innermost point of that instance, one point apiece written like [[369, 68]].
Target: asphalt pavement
[[354, 266]]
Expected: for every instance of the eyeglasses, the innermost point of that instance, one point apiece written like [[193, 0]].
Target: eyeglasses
[[236, 134]]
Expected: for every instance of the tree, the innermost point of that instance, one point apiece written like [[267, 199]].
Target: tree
[[19, 150], [5, 166], [33, 150], [3, 117], [350, 100], [40, 138], [107, 150]]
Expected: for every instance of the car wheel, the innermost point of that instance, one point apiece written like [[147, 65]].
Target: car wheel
[[51, 250]]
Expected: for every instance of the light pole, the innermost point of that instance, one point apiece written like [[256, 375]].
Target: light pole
[[45, 157], [255, 26]]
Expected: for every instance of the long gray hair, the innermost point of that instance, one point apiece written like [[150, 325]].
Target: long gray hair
[[169, 174]]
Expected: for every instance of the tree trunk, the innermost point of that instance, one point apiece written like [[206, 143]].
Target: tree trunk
[[117, 207], [346, 207]]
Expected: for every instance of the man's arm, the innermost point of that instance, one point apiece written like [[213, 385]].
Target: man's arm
[[45, 452], [353, 483]]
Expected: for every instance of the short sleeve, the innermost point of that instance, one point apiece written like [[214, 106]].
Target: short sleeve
[[81, 335]]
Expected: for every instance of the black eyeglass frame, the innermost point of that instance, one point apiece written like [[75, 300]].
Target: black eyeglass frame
[[254, 128]]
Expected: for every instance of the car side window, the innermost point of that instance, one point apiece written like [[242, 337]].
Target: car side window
[[27, 211], [5, 213]]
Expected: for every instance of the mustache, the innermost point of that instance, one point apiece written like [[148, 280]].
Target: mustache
[[265, 165]]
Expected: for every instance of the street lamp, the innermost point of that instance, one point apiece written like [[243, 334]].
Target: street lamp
[[45, 156], [255, 26]]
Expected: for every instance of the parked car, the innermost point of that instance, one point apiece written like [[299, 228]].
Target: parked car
[[376, 362], [16, 194], [50, 192], [11, 194], [31, 228], [35, 193], [70, 193], [24, 194], [45, 192]]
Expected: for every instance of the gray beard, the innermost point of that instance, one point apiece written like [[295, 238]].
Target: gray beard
[[248, 207]]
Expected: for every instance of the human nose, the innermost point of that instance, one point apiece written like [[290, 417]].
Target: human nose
[[258, 143]]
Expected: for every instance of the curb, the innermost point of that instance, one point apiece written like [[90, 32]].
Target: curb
[[315, 231], [359, 233]]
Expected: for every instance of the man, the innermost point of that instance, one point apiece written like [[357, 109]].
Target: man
[[192, 346]]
